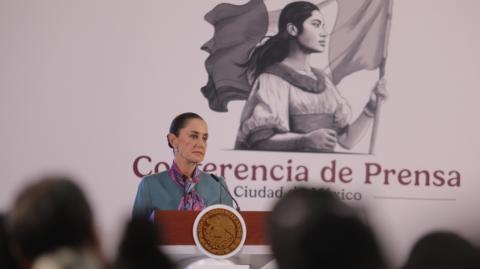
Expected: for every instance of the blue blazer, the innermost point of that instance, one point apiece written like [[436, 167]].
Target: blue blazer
[[158, 191]]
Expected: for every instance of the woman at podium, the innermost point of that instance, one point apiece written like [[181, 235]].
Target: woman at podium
[[184, 186]]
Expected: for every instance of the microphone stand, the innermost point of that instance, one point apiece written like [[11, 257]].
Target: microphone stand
[[184, 191], [229, 194]]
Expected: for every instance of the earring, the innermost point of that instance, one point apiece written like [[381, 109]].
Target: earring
[[176, 149]]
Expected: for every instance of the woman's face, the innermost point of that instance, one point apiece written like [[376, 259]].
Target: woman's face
[[313, 37], [191, 141]]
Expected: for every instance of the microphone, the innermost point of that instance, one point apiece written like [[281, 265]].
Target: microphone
[[229, 194], [184, 178]]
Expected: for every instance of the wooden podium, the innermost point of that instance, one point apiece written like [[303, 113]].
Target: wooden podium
[[177, 227], [177, 237]]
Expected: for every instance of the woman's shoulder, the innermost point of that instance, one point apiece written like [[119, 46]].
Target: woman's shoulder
[[157, 177], [211, 179], [208, 178], [158, 183], [313, 81], [324, 74], [270, 85], [270, 78]]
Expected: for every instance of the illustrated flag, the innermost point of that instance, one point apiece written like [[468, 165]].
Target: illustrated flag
[[359, 38], [238, 29], [358, 41]]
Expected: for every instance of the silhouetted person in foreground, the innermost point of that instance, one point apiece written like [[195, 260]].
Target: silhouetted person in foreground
[[52, 226], [139, 248], [443, 250], [313, 229], [7, 260]]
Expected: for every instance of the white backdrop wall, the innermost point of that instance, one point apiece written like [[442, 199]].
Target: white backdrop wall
[[86, 87]]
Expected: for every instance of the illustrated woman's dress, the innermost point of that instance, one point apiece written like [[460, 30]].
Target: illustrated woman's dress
[[286, 100]]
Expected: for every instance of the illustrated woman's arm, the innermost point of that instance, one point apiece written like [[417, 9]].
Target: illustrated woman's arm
[[360, 125], [317, 140]]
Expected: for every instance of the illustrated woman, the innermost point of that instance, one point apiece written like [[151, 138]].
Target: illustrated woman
[[293, 106], [184, 186]]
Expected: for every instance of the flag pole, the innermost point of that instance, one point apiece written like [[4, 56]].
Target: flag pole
[[376, 118], [381, 75]]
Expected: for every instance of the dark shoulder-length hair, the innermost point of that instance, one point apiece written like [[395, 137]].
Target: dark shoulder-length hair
[[276, 48]]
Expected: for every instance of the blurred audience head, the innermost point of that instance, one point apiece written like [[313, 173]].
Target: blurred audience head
[[48, 215], [139, 247], [442, 250], [313, 229], [7, 260]]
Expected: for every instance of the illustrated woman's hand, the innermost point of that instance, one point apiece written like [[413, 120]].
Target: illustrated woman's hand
[[321, 140], [379, 91]]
